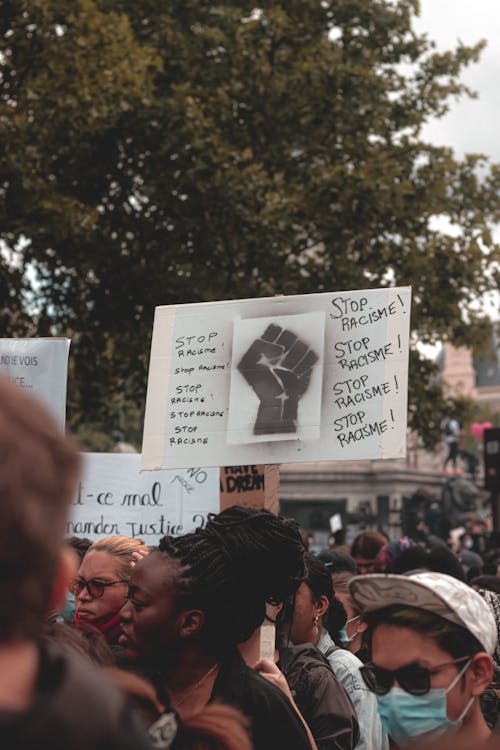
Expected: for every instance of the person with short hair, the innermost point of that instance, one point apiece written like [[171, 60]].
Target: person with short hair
[[48, 698], [432, 638], [365, 550]]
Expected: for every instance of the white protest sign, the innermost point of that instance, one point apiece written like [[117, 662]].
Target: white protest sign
[[40, 366], [335, 523], [319, 377], [114, 498]]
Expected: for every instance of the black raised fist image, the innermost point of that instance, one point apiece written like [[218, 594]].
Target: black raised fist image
[[278, 366]]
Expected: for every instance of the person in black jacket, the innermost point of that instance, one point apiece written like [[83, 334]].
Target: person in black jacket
[[198, 596], [320, 698]]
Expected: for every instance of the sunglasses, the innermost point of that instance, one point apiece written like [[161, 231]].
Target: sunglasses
[[94, 586], [413, 678]]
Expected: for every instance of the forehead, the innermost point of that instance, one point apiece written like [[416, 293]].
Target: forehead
[[98, 564], [394, 647], [303, 594], [155, 573]]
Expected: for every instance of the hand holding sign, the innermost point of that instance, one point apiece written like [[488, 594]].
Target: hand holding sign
[[278, 367]]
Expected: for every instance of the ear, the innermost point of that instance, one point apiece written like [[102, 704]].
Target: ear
[[67, 566], [190, 623], [320, 607], [481, 670], [362, 626]]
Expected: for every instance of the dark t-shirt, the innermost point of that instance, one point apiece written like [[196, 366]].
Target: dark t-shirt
[[275, 724], [74, 708]]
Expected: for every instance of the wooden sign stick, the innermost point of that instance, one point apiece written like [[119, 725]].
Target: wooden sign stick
[[254, 486]]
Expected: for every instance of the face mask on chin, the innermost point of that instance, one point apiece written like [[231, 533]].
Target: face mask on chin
[[405, 716]]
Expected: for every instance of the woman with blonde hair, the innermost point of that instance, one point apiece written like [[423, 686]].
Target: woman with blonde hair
[[100, 586]]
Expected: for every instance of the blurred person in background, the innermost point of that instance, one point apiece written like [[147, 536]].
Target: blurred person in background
[[49, 697], [365, 550], [337, 561], [353, 633], [470, 561]]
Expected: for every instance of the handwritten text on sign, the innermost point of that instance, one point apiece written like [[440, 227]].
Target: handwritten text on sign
[[114, 498], [317, 377], [39, 366]]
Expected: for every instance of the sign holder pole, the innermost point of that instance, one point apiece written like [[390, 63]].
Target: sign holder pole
[[261, 644]]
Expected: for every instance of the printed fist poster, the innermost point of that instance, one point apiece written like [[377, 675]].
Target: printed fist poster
[[320, 377], [276, 378]]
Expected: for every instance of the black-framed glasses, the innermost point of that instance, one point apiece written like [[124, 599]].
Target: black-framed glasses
[[413, 678], [95, 586]]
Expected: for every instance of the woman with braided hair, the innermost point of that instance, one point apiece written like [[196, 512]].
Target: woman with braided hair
[[195, 598]]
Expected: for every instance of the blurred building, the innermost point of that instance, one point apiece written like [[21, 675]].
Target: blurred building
[[475, 377], [373, 494]]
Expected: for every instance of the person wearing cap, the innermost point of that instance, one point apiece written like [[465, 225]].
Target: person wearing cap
[[431, 643]]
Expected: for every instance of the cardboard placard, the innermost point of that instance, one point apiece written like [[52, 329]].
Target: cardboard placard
[[254, 486], [318, 377]]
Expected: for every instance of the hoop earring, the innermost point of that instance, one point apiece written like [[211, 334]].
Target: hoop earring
[[315, 625]]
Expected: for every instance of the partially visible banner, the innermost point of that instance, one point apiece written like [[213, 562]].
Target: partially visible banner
[[40, 366], [115, 498]]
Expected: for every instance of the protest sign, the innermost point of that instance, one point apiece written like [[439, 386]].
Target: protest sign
[[40, 366], [114, 498], [320, 377], [251, 486]]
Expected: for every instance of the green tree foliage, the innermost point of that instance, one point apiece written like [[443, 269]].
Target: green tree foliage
[[168, 152]]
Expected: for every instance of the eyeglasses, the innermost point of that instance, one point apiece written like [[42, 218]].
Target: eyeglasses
[[94, 586], [413, 678]]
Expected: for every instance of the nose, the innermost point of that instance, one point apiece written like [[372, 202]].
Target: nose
[[126, 612], [84, 595]]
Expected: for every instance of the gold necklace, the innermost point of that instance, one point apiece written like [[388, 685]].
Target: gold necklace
[[196, 686]]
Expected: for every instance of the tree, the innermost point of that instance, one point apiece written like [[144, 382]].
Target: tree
[[160, 153]]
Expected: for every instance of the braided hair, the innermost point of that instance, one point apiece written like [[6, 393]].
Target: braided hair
[[242, 559]]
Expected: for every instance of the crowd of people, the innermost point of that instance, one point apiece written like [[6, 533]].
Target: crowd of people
[[112, 644]]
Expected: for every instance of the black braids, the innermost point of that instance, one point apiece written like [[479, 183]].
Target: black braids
[[266, 532], [202, 571], [242, 559]]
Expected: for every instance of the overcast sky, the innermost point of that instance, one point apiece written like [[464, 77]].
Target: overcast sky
[[472, 124]]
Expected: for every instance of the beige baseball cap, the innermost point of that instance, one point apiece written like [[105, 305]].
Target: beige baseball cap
[[435, 592]]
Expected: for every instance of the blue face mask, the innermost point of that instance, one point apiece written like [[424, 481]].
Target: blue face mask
[[405, 716], [68, 609], [343, 632]]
